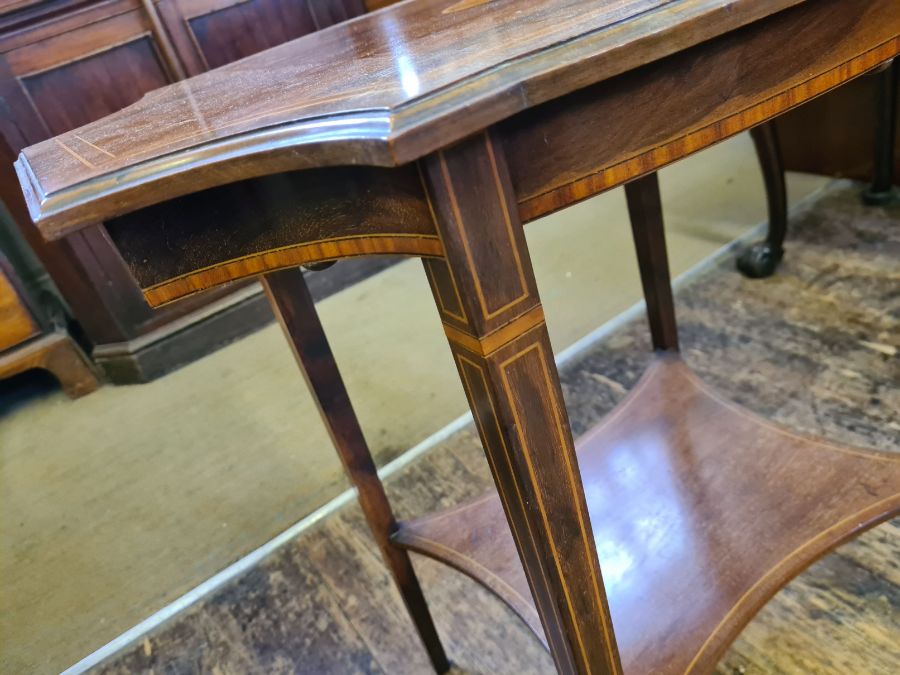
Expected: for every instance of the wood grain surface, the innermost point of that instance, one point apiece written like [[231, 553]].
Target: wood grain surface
[[671, 475], [376, 90], [726, 472], [58, 354], [825, 137], [691, 100], [189, 244], [688, 101], [513, 391], [807, 348], [16, 322], [297, 315]]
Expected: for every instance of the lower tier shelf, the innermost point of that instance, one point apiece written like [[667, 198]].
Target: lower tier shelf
[[701, 511]]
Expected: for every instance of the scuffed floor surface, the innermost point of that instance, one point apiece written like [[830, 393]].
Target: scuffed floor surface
[[814, 348]]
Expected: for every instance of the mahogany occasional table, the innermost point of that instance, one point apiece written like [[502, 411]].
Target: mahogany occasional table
[[435, 128]]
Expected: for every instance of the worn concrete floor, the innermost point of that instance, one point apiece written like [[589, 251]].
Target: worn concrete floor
[[114, 505]]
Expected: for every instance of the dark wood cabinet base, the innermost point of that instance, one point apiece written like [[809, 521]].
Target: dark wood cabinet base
[[186, 339], [218, 324]]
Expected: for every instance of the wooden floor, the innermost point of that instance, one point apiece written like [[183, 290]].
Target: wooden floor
[[194, 477], [814, 348]]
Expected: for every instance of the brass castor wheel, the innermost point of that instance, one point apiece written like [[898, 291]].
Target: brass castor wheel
[[759, 260]]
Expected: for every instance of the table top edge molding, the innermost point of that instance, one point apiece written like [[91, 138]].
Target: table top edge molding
[[81, 177]]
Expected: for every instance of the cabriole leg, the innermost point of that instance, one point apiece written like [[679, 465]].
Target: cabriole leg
[[297, 314], [882, 191], [488, 302], [761, 259]]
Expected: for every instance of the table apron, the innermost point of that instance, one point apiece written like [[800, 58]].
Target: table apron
[[610, 133]]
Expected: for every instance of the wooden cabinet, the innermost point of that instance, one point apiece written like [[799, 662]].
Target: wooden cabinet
[[74, 70], [26, 344], [16, 323], [64, 63], [211, 33]]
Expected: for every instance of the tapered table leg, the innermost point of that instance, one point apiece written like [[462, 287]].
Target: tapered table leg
[[760, 260], [646, 215], [486, 294], [297, 314]]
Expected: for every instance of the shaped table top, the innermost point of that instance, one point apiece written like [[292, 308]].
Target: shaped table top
[[383, 89]]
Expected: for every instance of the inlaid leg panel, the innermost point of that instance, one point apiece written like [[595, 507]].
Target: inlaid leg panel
[[487, 297]]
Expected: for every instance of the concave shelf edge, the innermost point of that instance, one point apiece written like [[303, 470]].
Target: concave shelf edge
[[670, 494]]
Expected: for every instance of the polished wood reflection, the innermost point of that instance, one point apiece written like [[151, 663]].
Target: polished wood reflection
[[556, 160], [504, 358], [436, 128], [376, 90], [553, 161], [701, 512]]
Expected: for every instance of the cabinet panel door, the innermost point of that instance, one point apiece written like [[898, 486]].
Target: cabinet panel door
[[116, 77], [56, 75], [211, 33], [90, 70]]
